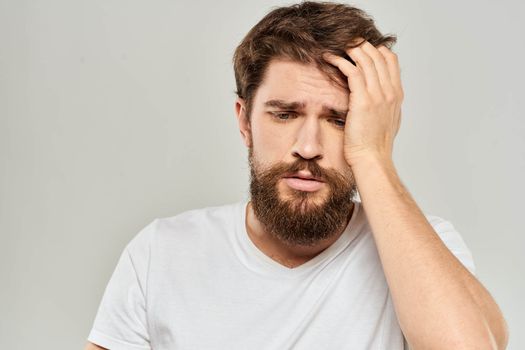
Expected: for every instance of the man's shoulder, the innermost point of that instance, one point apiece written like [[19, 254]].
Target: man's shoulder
[[196, 226], [201, 216], [196, 222]]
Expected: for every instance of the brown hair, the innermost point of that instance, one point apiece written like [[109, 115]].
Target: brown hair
[[302, 33]]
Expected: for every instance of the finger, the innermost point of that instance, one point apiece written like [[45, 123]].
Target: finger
[[392, 63], [366, 64], [381, 67], [356, 79]]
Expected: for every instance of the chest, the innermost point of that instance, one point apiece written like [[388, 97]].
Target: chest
[[345, 305]]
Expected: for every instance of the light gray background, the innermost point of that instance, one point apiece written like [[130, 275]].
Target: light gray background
[[113, 113]]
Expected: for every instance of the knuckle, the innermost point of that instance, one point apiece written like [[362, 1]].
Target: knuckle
[[390, 97], [367, 60], [381, 59]]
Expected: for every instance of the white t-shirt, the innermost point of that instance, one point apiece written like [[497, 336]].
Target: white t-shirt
[[197, 281]]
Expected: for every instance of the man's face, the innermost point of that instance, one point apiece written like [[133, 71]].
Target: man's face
[[301, 185]]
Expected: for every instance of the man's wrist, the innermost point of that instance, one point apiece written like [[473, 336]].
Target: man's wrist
[[371, 161], [376, 173]]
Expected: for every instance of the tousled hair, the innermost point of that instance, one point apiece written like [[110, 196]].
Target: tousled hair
[[302, 33]]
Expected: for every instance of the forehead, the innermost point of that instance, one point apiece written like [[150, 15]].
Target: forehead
[[293, 81]]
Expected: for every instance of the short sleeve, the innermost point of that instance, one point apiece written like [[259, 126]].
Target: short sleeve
[[121, 320], [453, 240]]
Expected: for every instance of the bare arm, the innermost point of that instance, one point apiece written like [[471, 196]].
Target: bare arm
[[91, 346], [439, 303]]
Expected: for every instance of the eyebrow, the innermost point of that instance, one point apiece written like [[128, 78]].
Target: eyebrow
[[284, 104], [295, 105]]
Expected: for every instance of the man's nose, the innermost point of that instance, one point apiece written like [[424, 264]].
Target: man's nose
[[308, 140]]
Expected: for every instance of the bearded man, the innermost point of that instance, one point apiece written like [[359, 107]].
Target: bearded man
[[304, 264]]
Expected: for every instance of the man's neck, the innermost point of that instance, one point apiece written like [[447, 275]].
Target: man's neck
[[289, 256]]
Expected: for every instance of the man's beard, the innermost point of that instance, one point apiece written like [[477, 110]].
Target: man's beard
[[303, 218]]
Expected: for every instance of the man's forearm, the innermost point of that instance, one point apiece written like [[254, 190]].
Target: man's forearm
[[439, 303]]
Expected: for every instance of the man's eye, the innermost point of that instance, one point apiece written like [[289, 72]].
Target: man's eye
[[340, 123], [283, 116]]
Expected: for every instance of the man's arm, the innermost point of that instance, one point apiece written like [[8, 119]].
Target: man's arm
[[438, 302], [91, 346]]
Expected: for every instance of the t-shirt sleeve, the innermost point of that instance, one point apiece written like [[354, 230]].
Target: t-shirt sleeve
[[453, 240], [121, 320]]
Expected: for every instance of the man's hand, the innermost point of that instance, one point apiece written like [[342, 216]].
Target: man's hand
[[439, 303], [374, 107]]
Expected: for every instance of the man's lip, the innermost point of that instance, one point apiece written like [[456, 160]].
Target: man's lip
[[304, 177]]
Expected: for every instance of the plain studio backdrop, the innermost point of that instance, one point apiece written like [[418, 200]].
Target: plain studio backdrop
[[113, 113]]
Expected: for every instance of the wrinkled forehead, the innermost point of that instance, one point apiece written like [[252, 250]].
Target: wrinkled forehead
[[286, 80]]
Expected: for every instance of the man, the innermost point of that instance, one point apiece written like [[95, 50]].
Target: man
[[303, 264]]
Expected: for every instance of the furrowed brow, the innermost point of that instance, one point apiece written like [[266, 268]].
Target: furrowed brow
[[284, 104], [339, 113], [293, 105]]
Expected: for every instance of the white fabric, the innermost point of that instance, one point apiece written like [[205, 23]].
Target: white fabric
[[197, 281]]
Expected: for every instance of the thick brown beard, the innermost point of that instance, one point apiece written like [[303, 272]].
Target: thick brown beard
[[300, 220]]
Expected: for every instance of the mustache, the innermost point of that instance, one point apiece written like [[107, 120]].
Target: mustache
[[281, 169], [302, 164]]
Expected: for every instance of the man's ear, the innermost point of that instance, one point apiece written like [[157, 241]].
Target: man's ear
[[244, 123]]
